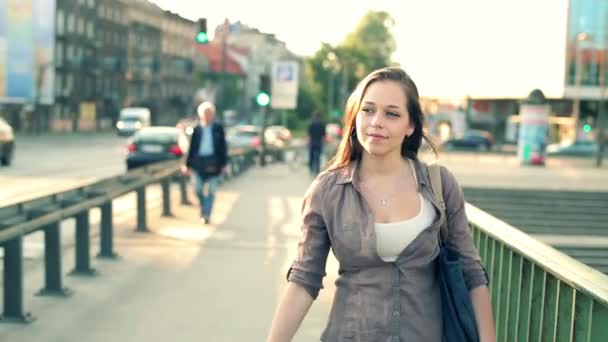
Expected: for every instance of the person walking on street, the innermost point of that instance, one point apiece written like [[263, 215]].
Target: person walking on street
[[207, 157], [316, 135], [377, 208]]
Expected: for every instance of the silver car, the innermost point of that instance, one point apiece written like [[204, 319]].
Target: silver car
[[7, 143]]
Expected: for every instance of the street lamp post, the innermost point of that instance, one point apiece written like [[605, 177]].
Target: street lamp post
[[580, 37], [601, 122]]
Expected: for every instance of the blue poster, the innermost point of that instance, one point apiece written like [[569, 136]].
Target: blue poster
[[44, 43], [3, 29], [20, 46]]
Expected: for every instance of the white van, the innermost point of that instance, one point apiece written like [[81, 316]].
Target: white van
[[132, 119]]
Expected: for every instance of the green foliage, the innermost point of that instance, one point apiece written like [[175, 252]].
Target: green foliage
[[333, 71]]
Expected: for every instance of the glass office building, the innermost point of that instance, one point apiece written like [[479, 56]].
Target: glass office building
[[587, 41]]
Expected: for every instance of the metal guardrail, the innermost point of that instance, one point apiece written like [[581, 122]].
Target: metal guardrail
[[538, 293], [45, 213]]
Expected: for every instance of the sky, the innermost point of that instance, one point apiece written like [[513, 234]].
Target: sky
[[481, 48]]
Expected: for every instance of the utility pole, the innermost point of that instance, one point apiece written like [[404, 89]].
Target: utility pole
[[601, 115], [222, 104]]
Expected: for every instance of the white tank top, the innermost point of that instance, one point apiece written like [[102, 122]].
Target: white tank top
[[393, 237]]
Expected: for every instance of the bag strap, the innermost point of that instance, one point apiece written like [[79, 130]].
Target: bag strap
[[435, 176]]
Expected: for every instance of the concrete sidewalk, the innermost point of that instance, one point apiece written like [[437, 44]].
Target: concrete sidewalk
[[184, 281]]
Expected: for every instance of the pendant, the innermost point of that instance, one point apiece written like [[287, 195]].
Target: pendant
[[383, 202]]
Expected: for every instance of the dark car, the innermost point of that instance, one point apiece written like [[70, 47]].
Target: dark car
[[471, 140], [7, 143], [156, 144], [578, 148]]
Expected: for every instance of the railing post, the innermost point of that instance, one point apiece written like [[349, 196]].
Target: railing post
[[83, 245], [183, 189], [141, 210], [52, 262], [166, 186], [106, 243], [13, 283]]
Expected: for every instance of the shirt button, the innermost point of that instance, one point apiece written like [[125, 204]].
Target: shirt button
[[345, 227], [395, 289], [396, 313]]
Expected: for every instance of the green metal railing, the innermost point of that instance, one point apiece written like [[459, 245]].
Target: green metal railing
[[538, 293]]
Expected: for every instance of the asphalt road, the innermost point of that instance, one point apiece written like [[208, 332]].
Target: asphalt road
[[46, 163]]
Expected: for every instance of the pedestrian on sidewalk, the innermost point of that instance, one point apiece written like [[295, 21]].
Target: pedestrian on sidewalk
[[207, 157], [316, 135], [375, 208]]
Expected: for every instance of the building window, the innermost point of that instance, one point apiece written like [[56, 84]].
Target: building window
[[58, 84], [70, 23], [59, 22], [59, 53], [91, 3], [90, 30], [69, 52], [81, 26], [69, 82]]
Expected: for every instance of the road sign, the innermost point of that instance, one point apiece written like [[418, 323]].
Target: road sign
[[284, 85]]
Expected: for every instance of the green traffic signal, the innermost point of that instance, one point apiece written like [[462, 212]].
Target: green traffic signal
[[587, 128], [202, 38], [262, 99]]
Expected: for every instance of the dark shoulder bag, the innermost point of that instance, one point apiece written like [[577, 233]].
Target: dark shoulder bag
[[459, 324]]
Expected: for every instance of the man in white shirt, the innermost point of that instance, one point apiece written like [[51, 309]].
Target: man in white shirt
[[207, 156]]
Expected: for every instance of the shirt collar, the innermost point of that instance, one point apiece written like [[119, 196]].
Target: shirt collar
[[349, 173]]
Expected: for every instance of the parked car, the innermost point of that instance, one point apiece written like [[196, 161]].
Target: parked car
[[278, 135], [472, 139], [156, 144], [333, 133], [188, 124], [244, 136], [7, 143], [579, 148]]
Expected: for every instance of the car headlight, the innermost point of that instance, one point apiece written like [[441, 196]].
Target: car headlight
[[120, 125], [189, 130], [137, 125]]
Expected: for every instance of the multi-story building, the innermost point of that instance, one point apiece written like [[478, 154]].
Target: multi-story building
[[75, 63], [144, 57], [261, 50], [177, 87], [112, 37]]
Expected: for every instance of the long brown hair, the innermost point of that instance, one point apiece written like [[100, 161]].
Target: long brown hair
[[350, 148]]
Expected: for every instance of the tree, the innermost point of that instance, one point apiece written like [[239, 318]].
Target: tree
[[333, 71]]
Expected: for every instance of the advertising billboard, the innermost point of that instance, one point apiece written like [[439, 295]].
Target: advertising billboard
[[27, 40]]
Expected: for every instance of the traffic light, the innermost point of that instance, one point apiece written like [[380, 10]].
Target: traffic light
[[263, 97], [587, 128], [201, 34]]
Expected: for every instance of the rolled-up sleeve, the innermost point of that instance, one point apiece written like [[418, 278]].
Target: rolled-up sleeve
[[308, 267], [459, 234]]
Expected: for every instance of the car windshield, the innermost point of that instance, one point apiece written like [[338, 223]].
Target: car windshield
[[159, 137], [130, 118]]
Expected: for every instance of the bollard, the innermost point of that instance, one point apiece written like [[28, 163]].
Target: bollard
[[52, 263], [141, 210], [83, 246], [106, 243], [166, 186], [13, 283], [183, 189]]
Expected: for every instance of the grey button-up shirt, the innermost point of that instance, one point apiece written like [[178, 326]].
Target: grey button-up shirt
[[377, 300]]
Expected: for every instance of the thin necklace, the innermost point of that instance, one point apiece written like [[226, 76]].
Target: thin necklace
[[385, 199]]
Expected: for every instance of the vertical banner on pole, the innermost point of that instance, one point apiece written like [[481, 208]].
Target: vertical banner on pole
[[284, 87], [533, 130]]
